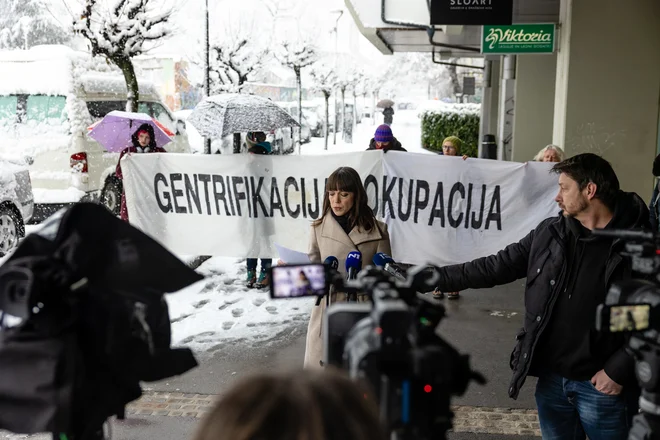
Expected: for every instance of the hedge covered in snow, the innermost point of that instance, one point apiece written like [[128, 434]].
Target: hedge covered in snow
[[442, 120]]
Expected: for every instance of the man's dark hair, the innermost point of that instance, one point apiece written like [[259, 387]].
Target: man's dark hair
[[588, 167]]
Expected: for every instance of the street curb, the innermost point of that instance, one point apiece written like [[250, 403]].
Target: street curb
[[472, 419]]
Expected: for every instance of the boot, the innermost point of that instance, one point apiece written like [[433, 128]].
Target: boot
[[251, 279], [263, 281]]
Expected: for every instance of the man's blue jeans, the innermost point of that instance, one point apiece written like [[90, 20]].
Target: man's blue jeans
[[571, 409]]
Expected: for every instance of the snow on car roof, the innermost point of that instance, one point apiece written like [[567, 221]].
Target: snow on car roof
[[23, 71], [104, 84]]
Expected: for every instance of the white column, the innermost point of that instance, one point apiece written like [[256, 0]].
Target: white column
[[506, 108], [535, 100], [608, 85], [489, 101]]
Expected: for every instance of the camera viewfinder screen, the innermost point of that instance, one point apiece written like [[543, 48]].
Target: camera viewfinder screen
[[629, 318], [295, 281]]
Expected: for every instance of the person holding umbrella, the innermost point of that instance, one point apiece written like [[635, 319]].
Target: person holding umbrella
[[144, 141]]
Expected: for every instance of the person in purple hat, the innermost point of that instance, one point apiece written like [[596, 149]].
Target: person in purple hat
[[384, 140]]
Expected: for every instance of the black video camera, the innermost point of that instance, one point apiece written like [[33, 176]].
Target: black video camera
[[634, 306], [389, 340]]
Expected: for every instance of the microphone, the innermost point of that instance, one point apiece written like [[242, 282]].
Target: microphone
[[353, 264], [332, 263], [389, 265]]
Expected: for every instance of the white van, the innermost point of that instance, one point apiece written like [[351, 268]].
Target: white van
[[49, 96]]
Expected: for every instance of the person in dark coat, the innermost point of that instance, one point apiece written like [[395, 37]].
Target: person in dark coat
[[388, 115], [257, 144], [586, 379], [144, 141], [384, 140]]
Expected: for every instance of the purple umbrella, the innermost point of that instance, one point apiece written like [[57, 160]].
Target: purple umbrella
[[114, 131]]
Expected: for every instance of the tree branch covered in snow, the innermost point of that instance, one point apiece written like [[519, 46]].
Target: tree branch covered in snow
[[28, 23], [324, 80], [121, 33], [232, 64], [297, 55]]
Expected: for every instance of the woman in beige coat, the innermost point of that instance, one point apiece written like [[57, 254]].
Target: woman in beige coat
[[347, 224]]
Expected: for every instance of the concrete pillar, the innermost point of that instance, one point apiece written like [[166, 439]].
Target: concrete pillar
[[506, 108], [490, 100], [608, 85], [535, 101]]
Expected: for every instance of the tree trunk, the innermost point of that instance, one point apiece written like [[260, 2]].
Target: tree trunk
[[336, 127], [374, 95], [343, 112], [133, 97], [456, 84], [299, 83], [355, 111], [326, 94]]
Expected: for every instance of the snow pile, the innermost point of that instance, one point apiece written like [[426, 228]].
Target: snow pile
[[43, 70], [69, 195], [221, 308]]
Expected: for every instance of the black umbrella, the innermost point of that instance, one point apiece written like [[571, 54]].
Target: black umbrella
[[88, 323]]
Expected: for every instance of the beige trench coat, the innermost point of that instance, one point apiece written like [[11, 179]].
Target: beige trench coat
[[329, 239]]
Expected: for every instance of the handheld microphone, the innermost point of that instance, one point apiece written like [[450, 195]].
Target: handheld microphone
[[332, 263], [353, 264], [389, 265]]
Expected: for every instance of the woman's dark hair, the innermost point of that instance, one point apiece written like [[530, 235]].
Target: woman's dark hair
[[152, 137], [347, 179], [307, 405], [590, 168]]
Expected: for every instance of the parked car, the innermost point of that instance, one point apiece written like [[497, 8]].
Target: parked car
[[44, 120], [16, 204]]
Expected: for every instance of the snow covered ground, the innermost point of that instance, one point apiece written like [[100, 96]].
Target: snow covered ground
[[221, 308]]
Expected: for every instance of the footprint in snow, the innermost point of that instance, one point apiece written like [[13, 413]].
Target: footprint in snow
[[272, 310], [227, 325], [237, 313], [228, 302], [258, 301], [201, 303]]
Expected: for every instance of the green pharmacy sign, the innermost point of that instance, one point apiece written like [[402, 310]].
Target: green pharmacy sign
[[518, 38]]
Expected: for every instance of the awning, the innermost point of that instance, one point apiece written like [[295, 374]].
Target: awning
[[403, 26]]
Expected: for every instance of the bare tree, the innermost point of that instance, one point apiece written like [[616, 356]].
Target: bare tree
[[324, 80], [232, 64], [120, 34], [297, 55]]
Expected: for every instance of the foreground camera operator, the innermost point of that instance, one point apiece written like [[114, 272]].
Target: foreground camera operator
[[586, 380]]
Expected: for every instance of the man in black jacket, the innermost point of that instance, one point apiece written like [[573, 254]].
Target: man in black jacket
[[586, 379]]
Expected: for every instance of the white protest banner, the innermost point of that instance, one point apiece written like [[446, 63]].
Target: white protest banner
[[439, 209], [232, 205], [448, 210]]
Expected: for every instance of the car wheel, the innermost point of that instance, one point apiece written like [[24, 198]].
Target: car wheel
[[111, 195], [11, 229]]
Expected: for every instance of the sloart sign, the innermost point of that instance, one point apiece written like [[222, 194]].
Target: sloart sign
[[471, 12]]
